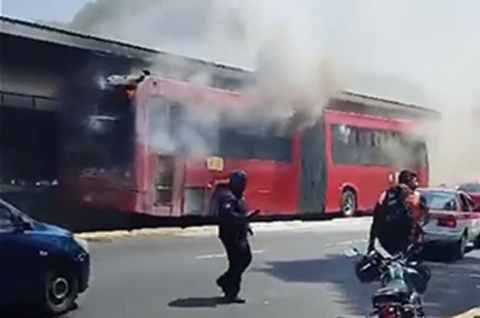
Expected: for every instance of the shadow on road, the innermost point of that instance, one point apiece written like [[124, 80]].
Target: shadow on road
[[197, 302], [333, 269], [454, 287]]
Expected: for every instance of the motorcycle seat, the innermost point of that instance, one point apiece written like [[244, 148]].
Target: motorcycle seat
[[394, 293]]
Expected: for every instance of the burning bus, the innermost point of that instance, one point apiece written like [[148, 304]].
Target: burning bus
[[130, 158]]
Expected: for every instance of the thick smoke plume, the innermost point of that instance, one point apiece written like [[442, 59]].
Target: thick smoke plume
[[433, 48], [295, 75]]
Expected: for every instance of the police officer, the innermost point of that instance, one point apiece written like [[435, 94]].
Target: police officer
[[233, 232]]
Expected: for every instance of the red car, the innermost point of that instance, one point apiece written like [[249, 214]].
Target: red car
[[473, 189]]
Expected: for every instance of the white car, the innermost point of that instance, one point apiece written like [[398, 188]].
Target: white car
[[454, 220]]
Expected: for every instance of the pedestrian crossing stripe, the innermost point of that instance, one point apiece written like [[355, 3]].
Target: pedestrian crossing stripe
[[472, 313]]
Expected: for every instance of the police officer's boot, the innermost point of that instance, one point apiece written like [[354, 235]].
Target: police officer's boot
[[231, 299], [221, 283]]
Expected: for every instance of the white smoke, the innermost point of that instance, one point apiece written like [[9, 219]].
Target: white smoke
[[435, 47], [432, 46], [293, 69]]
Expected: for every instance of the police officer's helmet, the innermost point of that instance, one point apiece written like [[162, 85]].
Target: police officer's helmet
[[238, 177]]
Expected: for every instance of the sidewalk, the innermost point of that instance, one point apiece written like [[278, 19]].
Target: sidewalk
[[472, 313], [345, 224]]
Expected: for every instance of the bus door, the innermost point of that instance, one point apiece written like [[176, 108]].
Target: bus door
[[164, 126], [168, 184], [164, 178], [313, 173]]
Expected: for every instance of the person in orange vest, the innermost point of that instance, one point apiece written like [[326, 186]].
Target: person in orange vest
[[416, 202], [398, 214]]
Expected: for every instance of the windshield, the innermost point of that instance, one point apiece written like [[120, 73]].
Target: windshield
[[470, 187], [440, 200], [15, 211]]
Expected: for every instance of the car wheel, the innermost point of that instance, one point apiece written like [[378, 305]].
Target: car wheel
[[349, 203], [460, 247], [476, 243], [60, 291]]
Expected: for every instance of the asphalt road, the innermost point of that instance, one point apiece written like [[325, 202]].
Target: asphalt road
[[297, 272]]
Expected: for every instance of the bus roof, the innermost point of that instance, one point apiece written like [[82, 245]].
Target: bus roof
[[369, 104], [347, 102]]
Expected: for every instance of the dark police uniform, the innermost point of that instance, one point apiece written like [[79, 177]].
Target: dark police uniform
[[233, 232]]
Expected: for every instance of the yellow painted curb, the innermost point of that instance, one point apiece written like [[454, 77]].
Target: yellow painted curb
[[110, 235], [206, 230], [472, 313]]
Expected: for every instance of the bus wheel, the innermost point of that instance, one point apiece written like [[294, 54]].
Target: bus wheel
[[349, 203]]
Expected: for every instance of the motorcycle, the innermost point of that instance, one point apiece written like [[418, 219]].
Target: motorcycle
[[402, 279]]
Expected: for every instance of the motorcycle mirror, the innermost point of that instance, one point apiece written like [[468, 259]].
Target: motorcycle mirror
[[351, 252]]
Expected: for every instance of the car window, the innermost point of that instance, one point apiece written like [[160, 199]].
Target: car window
[[15, 212], [440, 200], [6, 220]]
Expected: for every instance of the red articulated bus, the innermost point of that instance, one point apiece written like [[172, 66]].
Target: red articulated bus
[[129, 157]]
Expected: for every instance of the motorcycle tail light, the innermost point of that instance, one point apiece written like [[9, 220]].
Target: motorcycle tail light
[[388, 311]]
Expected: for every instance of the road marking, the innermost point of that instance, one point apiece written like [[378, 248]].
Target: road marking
[[332, 244], [223, 255], [210, 256], [345, 243]]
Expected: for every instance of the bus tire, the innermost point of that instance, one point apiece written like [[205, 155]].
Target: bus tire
[[349, 203]]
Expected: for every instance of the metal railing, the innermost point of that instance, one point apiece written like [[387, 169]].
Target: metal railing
[[28, 101]]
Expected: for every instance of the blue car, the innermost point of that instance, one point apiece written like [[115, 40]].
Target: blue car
[[41, 266]]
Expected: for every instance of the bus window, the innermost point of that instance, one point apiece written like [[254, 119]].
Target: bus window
[[364, 146], [253, 143], [165, 124], [418, 152], [344, 144]]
